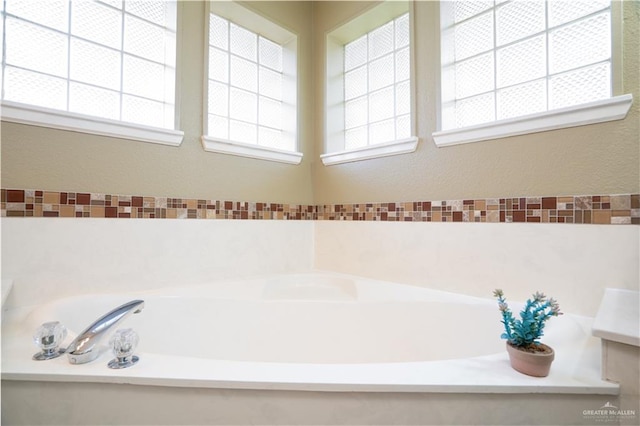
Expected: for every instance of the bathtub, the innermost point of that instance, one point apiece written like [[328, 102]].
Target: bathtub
[[271, 337]]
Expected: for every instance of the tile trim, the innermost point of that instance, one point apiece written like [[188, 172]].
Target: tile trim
[[615, 209]]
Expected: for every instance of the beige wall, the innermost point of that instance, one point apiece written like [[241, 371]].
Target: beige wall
[[594, 159], [39, 158]]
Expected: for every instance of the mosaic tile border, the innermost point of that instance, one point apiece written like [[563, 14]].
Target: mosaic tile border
[[585, 209]]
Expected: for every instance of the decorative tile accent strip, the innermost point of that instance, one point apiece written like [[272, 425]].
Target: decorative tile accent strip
[[596, 209]]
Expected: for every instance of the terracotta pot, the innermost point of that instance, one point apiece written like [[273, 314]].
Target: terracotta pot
[[535, 364]]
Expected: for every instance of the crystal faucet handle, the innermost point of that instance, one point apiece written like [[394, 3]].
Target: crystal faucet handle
[[48, 338], [124, 342]]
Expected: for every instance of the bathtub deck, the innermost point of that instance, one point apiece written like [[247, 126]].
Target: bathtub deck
[[491, 374]]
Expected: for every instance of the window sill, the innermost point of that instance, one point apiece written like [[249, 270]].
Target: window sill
[[402, 146], [251, 151], [15, 112], [615, 108]]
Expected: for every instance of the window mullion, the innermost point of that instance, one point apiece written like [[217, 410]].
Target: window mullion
[[495, 63], [122, 34], [68, 105], [546, 53], [368, 92]]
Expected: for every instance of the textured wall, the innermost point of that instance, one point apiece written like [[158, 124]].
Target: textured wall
[[34, 157], [595, 159], [599, 158]]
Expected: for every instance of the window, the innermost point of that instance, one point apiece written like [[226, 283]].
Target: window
[[369, 102], [68, 61], [251, 86], [507, 59]]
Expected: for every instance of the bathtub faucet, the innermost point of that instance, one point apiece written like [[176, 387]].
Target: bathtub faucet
[[84, 348]]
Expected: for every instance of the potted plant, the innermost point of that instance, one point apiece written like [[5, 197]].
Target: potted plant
[[526, 354]]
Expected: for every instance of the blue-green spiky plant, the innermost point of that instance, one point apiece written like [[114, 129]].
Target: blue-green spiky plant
[[527, 330]]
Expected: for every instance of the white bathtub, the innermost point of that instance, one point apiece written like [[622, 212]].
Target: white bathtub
[[310, 332]]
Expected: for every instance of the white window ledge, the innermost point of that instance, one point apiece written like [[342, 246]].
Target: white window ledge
[[615, 108], [402, 146], [251, 151], [15, 112]]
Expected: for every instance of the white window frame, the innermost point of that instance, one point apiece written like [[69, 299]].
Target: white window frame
[[334, 145], [251, 20], [613, 108], [21, 113]]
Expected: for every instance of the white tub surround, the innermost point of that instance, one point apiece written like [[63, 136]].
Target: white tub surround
[[618, 317], [618, 325], [572, 263], [240, 352], [48, 259], [6, 287]]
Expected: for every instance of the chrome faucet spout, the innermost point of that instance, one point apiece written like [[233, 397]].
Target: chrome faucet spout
[[84, 348]]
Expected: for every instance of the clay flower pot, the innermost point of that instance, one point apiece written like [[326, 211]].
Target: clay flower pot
[[535, 363]]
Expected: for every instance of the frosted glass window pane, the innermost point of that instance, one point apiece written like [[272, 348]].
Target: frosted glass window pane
[[151, 10], [474, 36], [403, 98], [519, 19], [270, 83], [36, 48], [218, 98], [403, 65], [562, 11], [243, 42], [143, 78], [244, 74], [270, 113], [91, 100], [464, 9], [243, 132], [218, 127], [356, 138], [115, 3], [383, 131], [96, 22], [355, 83], [144, 39], [356, 112], [272, 138], [581, 43], [355, 53], [381, 73], [91, 63], [52, 13], [270, 54], [402, 31], [474, 75], [218, 65], [218, 32], [580, 86], [381, 104], [403, 127], [522, 61], [34, 88], [476, 110], [523, 99], [244, 105], [381, 41], [143, 111]]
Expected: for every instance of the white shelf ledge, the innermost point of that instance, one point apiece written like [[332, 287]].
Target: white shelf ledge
[[615, 108], [251, 151], [15, 112], [402, 146], [618, 317]]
